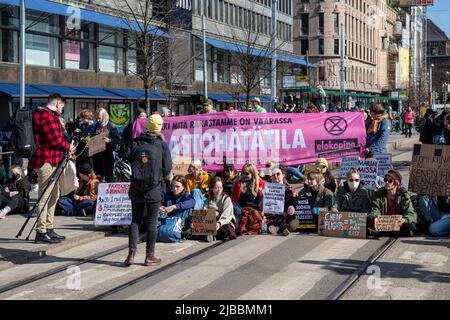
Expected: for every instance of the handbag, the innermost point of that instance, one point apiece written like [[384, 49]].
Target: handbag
[[169, 229]]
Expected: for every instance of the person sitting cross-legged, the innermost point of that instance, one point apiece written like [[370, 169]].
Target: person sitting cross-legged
[[352, 196], [392, 199], [15, 194], [197, 181], [437, 220]]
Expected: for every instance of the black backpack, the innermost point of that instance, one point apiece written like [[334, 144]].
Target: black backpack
[[22, 138], [146, 164]]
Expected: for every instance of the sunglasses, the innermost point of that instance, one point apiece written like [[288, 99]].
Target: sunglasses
[[389, 180], [229, 170], [355, 180], [245, 173], [277, 174]]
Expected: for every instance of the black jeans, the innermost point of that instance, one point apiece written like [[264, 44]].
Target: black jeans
[[408, 129], [13, 202], [104, 165], [152, 222]]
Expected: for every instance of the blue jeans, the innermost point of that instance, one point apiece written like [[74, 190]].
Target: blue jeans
[[296, 173], [199, 199], [431, 213]]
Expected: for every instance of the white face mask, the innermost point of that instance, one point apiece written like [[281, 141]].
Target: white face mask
[[353, 185]]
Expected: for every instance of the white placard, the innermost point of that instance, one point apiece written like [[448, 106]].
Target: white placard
[[346, 164], [384, 163], [367, 170], [273, 201], [113, 205]]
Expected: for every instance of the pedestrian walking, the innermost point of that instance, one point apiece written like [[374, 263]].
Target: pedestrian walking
[[409, 121], [151, 164], [51, 146]]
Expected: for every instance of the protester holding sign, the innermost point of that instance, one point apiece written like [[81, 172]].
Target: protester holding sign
[[393, 199], [223, 206], [104, 161], [352, 196], [87, 127], [330, 181], [437, 220], [152, 163], [378, 130], [179, 203]]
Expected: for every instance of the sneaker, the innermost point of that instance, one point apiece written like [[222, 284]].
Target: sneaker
[[2, 214], [286, 232], [52, 234], [209, 238], [44, 238], [273, 229], [293, 225]]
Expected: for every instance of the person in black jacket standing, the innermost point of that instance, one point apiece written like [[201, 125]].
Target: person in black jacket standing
[[151, 163]]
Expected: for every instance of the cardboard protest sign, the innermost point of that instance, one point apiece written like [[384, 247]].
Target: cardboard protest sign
[[384, 163], [273, 201], [113, 205], [304, 213], [180, 166], [346, 164], [430, 170], [97, 144], [204, 222], [342, 224], [367, 170], [388, 223]]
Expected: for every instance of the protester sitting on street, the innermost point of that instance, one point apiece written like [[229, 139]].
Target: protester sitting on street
[[104, 161], [437, 220], [280, 223], [295, 173], [83, 200], [15, 193], [229, 176], [352, 196], [378, 131], [248, 191], [267, 172], [197, 183], [3, 175], [223, 206], [317, 194], [179, 203], [393, 199], [330, 181]]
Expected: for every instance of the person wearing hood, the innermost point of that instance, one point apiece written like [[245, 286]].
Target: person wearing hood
[[127, 133], [352, 196], [104, 161], [151, 163], [393, 199]]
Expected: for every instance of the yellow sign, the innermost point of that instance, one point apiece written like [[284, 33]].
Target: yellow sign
[[301, 79], [404, 67]]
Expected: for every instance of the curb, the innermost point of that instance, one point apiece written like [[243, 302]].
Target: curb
[[23, 258], [403, 143]]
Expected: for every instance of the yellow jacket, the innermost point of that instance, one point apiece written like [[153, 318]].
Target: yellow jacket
[[201, 182]]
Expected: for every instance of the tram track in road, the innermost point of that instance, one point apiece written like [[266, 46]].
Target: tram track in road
[[340, 290]]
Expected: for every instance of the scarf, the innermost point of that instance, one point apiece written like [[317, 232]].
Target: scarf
[[375, 122], [139, 127]]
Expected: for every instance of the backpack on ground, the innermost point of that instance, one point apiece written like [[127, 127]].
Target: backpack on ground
[[22, 139], [146, 166]]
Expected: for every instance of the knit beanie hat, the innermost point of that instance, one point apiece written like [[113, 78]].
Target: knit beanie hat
[[155, 123], [85, 168], [394, 174], [323, 162]]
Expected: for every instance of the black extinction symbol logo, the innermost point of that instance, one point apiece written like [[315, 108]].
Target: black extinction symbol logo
[[335, 125]]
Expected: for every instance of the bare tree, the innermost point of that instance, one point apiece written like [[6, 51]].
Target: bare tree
[[419, 95]]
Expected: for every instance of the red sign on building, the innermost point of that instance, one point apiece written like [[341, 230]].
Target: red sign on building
[[424, 2]]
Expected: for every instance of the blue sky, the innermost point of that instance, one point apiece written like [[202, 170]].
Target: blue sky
[[440, 14]]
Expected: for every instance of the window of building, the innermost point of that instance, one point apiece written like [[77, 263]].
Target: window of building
[[321, 46], [110, 50], [304, 43], [227, 10], [221, 10], [321, 73], [336, 22], [336, 46], [78, 47], [9, 39], [321, 22], [305, 23]]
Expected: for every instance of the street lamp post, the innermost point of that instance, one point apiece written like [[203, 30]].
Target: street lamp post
[[431, 86]]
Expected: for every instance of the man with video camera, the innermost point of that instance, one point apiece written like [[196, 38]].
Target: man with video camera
[[51, 148]]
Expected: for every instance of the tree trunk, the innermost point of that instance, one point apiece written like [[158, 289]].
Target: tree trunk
[[147, 104]]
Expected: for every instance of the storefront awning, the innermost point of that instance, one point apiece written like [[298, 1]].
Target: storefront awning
[[229, 98], [229, 46], [13, 89], [137, 94], [86, 15]]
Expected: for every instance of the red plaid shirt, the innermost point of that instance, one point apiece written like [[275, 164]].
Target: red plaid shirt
[[49, 137]]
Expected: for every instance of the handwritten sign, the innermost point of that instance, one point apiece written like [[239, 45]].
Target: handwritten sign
[[346, 164], [304, 213], [180, 165], [388, 223], [430, 170], [204, 222], [97, 144], [273, 201], [342, 224], [113, 205], [367, 170], [384, 163]]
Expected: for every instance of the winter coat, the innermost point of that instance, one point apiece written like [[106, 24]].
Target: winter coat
[[155, 194], [111, 133], [427, 131], [224, 210], [359, 201], [324, 198], [237, 190], [377, 143], [201, 182], [183, 202], [23, 187], [88, 190], [403, 205]]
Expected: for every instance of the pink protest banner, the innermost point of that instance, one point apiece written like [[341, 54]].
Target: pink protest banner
[[285, 138]]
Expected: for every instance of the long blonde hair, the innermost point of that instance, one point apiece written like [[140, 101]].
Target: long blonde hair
[[104, 116], [255, 178]]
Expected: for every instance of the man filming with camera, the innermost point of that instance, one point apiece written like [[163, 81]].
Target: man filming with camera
[[51, 148]]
